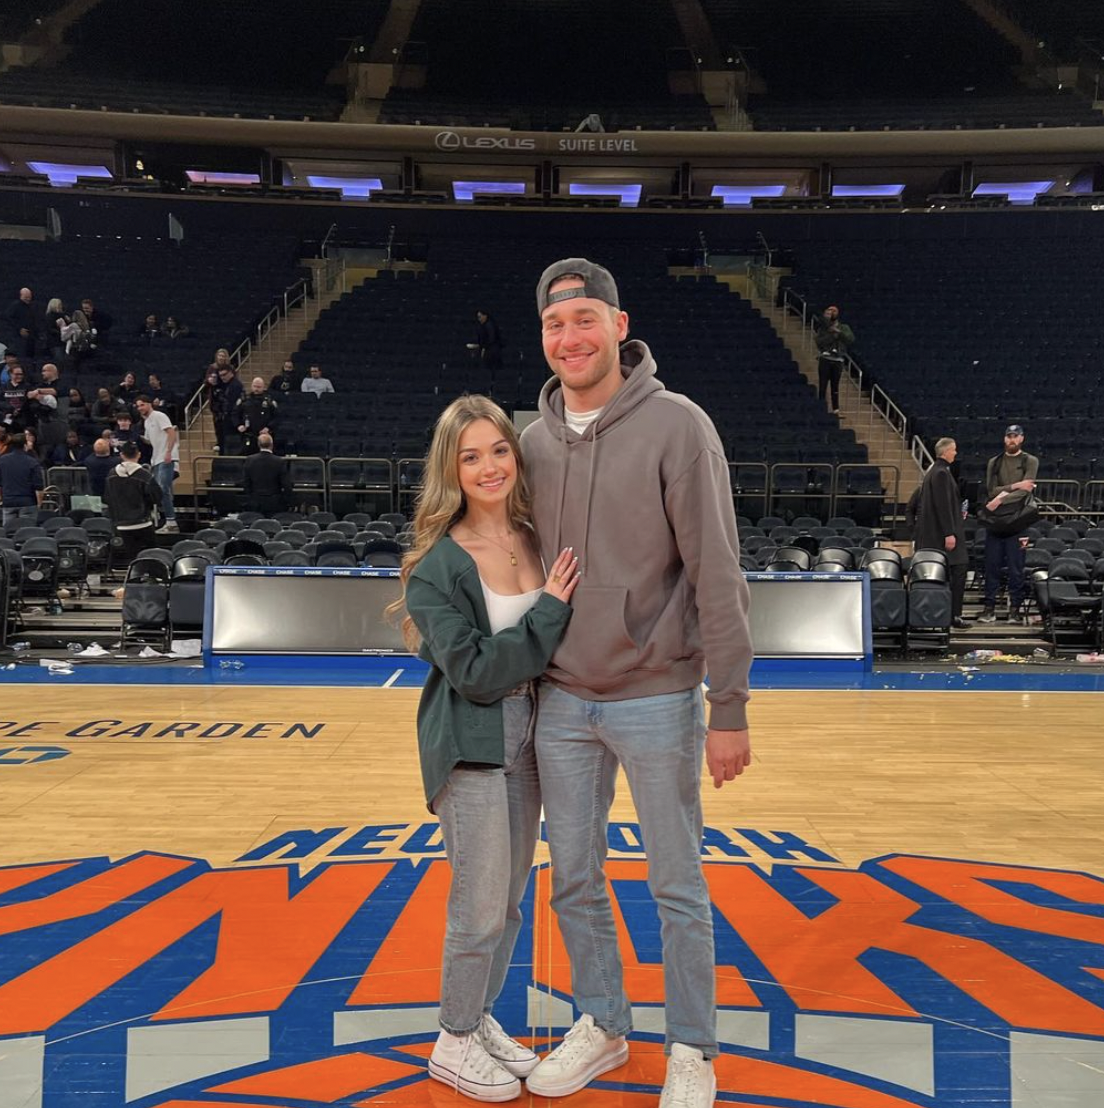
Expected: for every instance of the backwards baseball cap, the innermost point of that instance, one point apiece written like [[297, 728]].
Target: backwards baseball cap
[[1013, 429], [598, 283]]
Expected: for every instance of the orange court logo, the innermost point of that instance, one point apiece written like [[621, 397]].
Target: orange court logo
[[910, 982]]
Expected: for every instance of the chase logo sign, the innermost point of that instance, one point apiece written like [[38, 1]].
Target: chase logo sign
[[911, 982]]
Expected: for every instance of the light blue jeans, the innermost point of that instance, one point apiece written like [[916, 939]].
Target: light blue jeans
[[660, 740], [27, 516], [490, 819], [164, 473]]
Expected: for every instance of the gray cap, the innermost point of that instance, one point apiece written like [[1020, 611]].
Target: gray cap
[[1013, 429], [598, 283]]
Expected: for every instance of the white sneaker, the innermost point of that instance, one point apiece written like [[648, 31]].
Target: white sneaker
[[462, 1063], [585, 1053], [507, 1052], [169, 527], [690, 1080]]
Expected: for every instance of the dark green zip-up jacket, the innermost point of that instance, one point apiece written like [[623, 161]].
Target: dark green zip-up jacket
[[460, 713]]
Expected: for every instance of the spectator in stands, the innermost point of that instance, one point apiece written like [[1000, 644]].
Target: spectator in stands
[[106, 407], [127, 389], [161, 398], [131, 497], [257, 413], [99, 464], [284, 381], [638, 484], [480, 777], [150, 328], [1009, 481], [21, 482], [52, 426], [939, 522], [266, 480], [832, 339], [315, 382], [164, 443], [98, 321], [488, 340], [174, 329], [123, 432], [11, 360], [78, 407], [58, 324], [225, 394], [71, 452], [15, 413], [222, 361], [30, 442], [25, 324], [49, 393]]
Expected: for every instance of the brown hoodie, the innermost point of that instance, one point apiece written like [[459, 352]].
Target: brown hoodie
[[644, 498]]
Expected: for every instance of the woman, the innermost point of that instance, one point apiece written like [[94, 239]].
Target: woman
[[127, 389], [57, 328], [488, 620], [78, 408]]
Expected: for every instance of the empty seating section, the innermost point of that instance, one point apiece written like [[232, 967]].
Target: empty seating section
[[218, 286], [967, 335], [18, 17], [1060, 25], [267, 58], [871, 64], [395, 351], [545, 65]]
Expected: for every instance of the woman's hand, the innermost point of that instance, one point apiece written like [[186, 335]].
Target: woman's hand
[[564, 576]]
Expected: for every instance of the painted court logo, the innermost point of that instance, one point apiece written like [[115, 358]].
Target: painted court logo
[[160, 982]]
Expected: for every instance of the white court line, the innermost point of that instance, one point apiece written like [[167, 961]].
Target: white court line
[[392, 679]]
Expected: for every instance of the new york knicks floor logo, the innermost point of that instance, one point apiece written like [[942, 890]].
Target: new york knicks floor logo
[[912, 982]]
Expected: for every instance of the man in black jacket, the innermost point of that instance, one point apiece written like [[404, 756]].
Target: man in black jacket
[[255, 414], [833, 339], [266, 483], [25, 324], [939, 523], [130, 498]]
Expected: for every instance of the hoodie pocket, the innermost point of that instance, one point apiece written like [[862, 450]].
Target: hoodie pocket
[[598, 644]]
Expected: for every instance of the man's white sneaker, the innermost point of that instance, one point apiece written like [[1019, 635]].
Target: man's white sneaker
[[462, 1063], [585, 1053], [507, 1052], [690, 1080], [169, 527]]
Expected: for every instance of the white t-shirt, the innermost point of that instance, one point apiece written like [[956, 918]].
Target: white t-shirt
[[506, 611], [157, 430], [580, 421]]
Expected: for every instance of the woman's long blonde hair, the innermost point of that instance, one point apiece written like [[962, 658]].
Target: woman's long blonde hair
[[441, 504]]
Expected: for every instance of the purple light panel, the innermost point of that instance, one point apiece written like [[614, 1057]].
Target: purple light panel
[[209, 177], [466, 190], [867, 190], [350, 186], [1018, 192], [62, 175], [741, 196], [629, 194]]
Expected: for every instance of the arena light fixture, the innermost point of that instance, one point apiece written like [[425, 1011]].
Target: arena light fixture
[[468, 190], [629, 194], [359, 187], [1018, 192], [867, 191], [741, 196], [62, 175], [217, 177]]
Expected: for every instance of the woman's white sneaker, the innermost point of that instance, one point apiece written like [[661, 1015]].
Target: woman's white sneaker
[[690, 1082], [507, 1052], [462, 1063], [585, 1053]]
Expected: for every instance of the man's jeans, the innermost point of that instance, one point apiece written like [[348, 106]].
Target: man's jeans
[[660, 740], [490, 819], [27, 516], [164, 473], [999, 552]]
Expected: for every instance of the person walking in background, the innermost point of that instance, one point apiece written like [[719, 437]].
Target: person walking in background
[[833, 338]]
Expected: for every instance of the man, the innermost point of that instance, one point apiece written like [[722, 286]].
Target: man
[[99, 464], [25, 323], [832, 339], [130, 498], [635, 479], [256, 413], [939, 523], [488, 341], [284, 381], [266, 484], [70, 452], [315, 382], [21, 482], [224, 403], [158, 431], [98, 321], [49, 384], [124, 432], [1009, 481], [11, 360]]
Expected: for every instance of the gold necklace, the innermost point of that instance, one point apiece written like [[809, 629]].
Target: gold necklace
[[508, 549]]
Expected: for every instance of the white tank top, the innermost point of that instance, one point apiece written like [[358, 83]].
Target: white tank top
[[506, 611]]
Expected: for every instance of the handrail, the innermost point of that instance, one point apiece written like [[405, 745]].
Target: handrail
[[921, 455]]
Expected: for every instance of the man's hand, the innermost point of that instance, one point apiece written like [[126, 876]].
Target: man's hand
[[950, 542], [995, 503], [1025, 486], [727, 754], [241, 429]]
